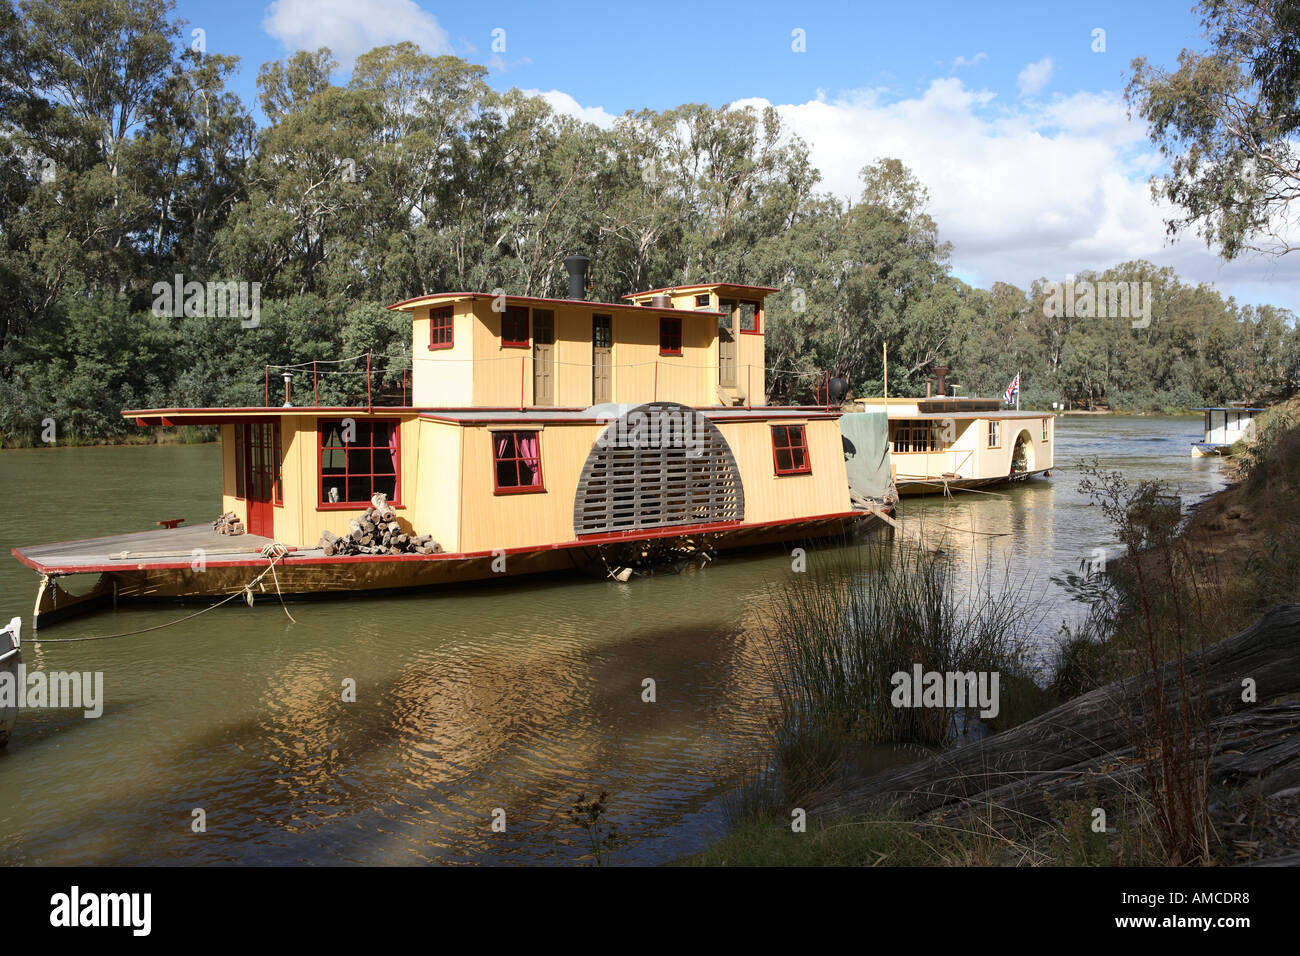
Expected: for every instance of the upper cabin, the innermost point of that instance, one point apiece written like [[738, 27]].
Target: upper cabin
[[699, 345]]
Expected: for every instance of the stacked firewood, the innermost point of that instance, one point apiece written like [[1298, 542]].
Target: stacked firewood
[[377, 532], [228, 523]]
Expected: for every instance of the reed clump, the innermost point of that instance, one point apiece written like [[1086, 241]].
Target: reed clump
[[844, 635]]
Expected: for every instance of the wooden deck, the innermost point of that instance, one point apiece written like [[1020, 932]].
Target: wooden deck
[[142, 549]]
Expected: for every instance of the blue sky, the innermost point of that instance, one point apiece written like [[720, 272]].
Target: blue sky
[[1007, 112], [630, 56]]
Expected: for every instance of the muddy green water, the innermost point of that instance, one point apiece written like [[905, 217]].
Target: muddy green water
[[513, 698]]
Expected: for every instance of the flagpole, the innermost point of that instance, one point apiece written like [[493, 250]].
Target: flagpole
[[1018, 387], [886, 361]]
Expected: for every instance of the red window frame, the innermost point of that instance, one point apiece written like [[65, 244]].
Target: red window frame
[[441, 331], [277, 489], [670, 335], [784, 441], [324, 426], [518, 461], [758, 318], [239, 461], [514, 320]]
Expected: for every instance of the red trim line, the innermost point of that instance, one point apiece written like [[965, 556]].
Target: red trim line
[[585, 542]]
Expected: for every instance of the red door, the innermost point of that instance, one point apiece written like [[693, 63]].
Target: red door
[[262, 457]]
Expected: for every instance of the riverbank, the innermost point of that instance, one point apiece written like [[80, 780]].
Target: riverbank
[[180, 435], [1168, 787]]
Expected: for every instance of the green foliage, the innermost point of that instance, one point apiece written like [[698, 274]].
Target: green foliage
[[841, 632], [125, 161], [1226, 121]]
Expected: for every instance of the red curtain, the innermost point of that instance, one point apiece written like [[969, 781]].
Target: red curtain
[[528, 456]]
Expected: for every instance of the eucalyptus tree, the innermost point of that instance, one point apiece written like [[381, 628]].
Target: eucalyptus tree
[[1226, 120], [301, 228]]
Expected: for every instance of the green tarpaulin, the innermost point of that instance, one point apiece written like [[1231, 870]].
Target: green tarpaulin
[[866, 451]]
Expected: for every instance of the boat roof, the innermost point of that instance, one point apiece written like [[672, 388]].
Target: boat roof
[[609, 412], [408, 305], [220, 416], [167, 417], [1230, 408], [940, 416], [765, 289]]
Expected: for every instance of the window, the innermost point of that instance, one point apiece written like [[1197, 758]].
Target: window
[[358, 459], [1046, 426], [703, 301], [750, 318], [518, 462], [277, 490], [995, 434], [239, 461], [440, 329], [602, 337], [790, 450], [670, 335], [514, 328], [917, 436]]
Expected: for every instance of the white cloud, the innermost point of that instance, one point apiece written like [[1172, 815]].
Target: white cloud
[[1035, 76], [352, 27], [566, 104], [1024, 190], [975, 60]]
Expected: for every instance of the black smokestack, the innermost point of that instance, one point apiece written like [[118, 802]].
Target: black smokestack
[[577, 266]]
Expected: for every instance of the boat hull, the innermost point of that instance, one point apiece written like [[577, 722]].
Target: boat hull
[[302, 575], [939, 486], [10, 657]]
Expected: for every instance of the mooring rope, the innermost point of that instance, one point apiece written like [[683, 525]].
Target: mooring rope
[[273, 552]]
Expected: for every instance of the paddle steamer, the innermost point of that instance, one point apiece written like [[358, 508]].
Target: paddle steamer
[[541, 435]]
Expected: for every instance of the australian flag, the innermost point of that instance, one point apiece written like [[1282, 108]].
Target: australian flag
[[1012, 391]]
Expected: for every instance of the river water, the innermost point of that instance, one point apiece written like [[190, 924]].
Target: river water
[[503, 702]]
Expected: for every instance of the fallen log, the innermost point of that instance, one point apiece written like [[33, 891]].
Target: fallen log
[[1258, 748], [1075, 737]]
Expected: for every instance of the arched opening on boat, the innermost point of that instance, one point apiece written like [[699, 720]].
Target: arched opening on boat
[[657, 465], [1022, 456]]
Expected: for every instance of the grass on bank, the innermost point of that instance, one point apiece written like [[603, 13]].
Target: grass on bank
[[841, 632], [1177, 587]]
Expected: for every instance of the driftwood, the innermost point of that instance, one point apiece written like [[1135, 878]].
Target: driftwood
[[1083, 746]]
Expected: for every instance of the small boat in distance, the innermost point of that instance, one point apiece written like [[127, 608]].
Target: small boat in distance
[[1225, 425]]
